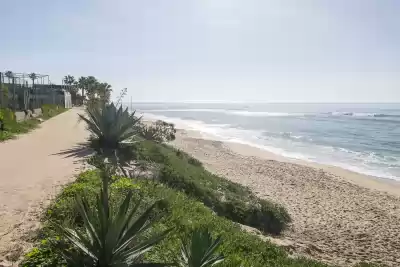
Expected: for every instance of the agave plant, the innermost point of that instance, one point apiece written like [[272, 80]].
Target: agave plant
[[199, 250], [111, 239], [112, 131]]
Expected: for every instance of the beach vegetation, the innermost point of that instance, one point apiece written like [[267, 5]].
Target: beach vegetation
[[180, 171], [184, 214], [187, 217], [112, 131], [111, 237], [199, 249], [160, 131]]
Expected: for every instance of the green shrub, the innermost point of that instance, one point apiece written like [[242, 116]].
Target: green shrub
[[228, 199], [7, 114], [13, 128], [159, 131], [239, 247], [51, 110], [194, 161], [47, 253]]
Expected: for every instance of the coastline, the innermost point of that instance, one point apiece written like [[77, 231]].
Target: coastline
[[387, 185], [339, 216]]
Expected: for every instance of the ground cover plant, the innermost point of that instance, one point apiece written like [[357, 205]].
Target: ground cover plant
[[234, 201]]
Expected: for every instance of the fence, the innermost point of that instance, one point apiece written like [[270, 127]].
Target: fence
[[18, 95]]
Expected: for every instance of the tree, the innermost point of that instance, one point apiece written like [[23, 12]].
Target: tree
[[72, 87], [82, 84], [69, 80], [33, 77], [91, 87], [88, 86], [104, 92], [10, 75]]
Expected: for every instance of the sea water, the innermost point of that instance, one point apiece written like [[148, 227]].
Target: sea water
[[364, 138]]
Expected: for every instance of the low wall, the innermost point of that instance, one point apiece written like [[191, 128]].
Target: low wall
[[21, 115], [37, 112]]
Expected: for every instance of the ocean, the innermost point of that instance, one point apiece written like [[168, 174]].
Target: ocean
[[364, 138]]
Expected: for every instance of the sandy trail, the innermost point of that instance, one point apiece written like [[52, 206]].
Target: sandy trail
[[337, 216], [30, 173]]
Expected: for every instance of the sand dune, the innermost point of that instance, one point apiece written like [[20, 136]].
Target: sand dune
[[338, 216]]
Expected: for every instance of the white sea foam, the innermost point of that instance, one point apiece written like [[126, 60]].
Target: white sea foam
[[292, 146], [231, 112]]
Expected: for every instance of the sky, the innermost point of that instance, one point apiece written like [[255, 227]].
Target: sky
[[212, 50]]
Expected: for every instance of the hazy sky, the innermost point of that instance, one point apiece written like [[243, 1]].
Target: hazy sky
[[220, 50]]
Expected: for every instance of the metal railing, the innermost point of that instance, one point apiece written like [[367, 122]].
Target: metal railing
[[18, 94]]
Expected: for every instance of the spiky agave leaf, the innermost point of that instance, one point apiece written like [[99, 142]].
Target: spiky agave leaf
[[199, 250], [112, 240], [112, 131]]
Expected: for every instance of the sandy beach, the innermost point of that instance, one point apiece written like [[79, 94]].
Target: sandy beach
[[339, 216]]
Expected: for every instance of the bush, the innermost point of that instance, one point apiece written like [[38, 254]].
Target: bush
[[13, 128], [180, 171], [46, 254], [51, 110], [239, 247], [7, 114], [160, 131]]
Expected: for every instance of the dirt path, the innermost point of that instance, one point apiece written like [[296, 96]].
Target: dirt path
[[30, 173]]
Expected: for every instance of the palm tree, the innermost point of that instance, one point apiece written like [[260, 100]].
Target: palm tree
[[69, 80], [72, 86], [82, 84], [33, 76], [10, 75], [92, 85], [199, 250], [104, 92]]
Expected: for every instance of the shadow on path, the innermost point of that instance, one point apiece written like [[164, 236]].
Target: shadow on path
[[78, 151]]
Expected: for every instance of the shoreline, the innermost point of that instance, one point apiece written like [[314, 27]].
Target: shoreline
[[387, 185], [383, 184], [379, 175], [339, 216]]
